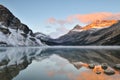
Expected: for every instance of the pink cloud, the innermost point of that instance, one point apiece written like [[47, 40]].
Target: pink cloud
[[86, 18], [60, 22], [114, 16], [59, 32], [51, 20]]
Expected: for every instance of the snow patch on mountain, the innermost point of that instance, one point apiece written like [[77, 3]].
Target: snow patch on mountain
[[16, 38]]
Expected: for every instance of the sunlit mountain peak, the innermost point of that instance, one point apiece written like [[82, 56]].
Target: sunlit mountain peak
[[98, 24]]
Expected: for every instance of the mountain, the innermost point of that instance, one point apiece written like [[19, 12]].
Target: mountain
[[106, 32], [41, 36], [77, 28], [13, 32], [98, 24]]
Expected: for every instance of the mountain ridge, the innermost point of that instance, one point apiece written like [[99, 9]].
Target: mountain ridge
[[98, 24], [15, 33]]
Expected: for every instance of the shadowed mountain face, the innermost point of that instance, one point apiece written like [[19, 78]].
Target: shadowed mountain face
[[13, 60], [9, 20], [93, 36]]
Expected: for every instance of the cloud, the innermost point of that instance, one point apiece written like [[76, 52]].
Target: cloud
[[85, 18], [52, 20], [60, 22], [88, 18], [60, 29], [114, 16], [48, 26], [59, 32]]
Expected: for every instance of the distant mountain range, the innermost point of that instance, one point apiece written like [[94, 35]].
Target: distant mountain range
[[15, 33], [105, 32]]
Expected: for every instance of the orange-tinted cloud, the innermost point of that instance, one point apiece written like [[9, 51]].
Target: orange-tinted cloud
[[86, 18], [51, 20], [55, 21], [51, 73]]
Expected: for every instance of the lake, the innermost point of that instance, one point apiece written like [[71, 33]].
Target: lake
[[59, 63]]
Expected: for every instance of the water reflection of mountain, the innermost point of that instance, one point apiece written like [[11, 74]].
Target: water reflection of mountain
[[87, 55], [13, 60]]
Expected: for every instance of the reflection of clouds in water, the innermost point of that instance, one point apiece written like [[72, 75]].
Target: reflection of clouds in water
[[59, 61], [62, 68]]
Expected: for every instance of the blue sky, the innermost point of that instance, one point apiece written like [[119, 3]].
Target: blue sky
[[35, 13]]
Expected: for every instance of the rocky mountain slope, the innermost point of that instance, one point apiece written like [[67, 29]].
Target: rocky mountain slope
[[13, 32], [106, 32]]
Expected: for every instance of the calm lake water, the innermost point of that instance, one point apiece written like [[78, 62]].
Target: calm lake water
[[58, 63]]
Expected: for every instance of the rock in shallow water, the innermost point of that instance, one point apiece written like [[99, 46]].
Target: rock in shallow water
[[109, 71], [104, 66], [98, 72], [117, 66], [91, 66]]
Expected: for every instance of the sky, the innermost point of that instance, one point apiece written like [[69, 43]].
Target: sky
[[57, 17]]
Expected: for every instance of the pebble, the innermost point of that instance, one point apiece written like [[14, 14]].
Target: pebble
[[104, 66], [109, 71], [117, 66], [98, 72], [91, 66]]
